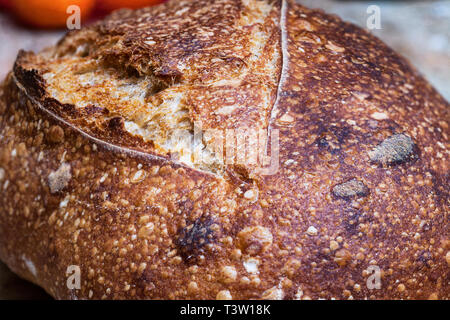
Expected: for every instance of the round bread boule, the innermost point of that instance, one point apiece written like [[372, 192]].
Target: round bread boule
[[108, 165]]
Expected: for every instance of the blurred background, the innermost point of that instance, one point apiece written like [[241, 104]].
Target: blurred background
[[418, 30]]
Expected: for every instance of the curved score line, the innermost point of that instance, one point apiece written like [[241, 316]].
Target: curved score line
[[285, 58]]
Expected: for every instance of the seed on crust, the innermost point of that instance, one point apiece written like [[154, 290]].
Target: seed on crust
[[59, 179], [350, 189], [397, 149], [255, 239]]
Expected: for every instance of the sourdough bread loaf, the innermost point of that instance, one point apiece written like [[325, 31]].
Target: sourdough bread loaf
[[121, 157]]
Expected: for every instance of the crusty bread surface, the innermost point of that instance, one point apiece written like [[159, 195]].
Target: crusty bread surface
[[107, 164]]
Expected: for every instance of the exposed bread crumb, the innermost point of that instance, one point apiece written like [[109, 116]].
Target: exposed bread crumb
[[59, 179]]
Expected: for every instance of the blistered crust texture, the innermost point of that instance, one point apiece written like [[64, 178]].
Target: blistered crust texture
[[362, 180]]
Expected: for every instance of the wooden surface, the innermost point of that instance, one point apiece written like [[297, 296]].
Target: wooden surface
[[419, 30]]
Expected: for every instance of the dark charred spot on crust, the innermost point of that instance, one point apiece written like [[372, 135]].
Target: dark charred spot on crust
[[331, 138], [64, 110], [156, 87], [427, 227], [352, 218], [341, 133], [322, 142], [29, 78], [424, 259], [352, 188], [442, 193], [93, 110], [51, 254], [116, 123], [192, 239], [351, 226], [235, 62], [395, 150], [145, 281]]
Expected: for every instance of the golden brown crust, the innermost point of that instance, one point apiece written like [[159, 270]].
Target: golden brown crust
[[362, 179]]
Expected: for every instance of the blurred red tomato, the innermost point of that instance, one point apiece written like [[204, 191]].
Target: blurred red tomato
[[49, 13], [110, 5]]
